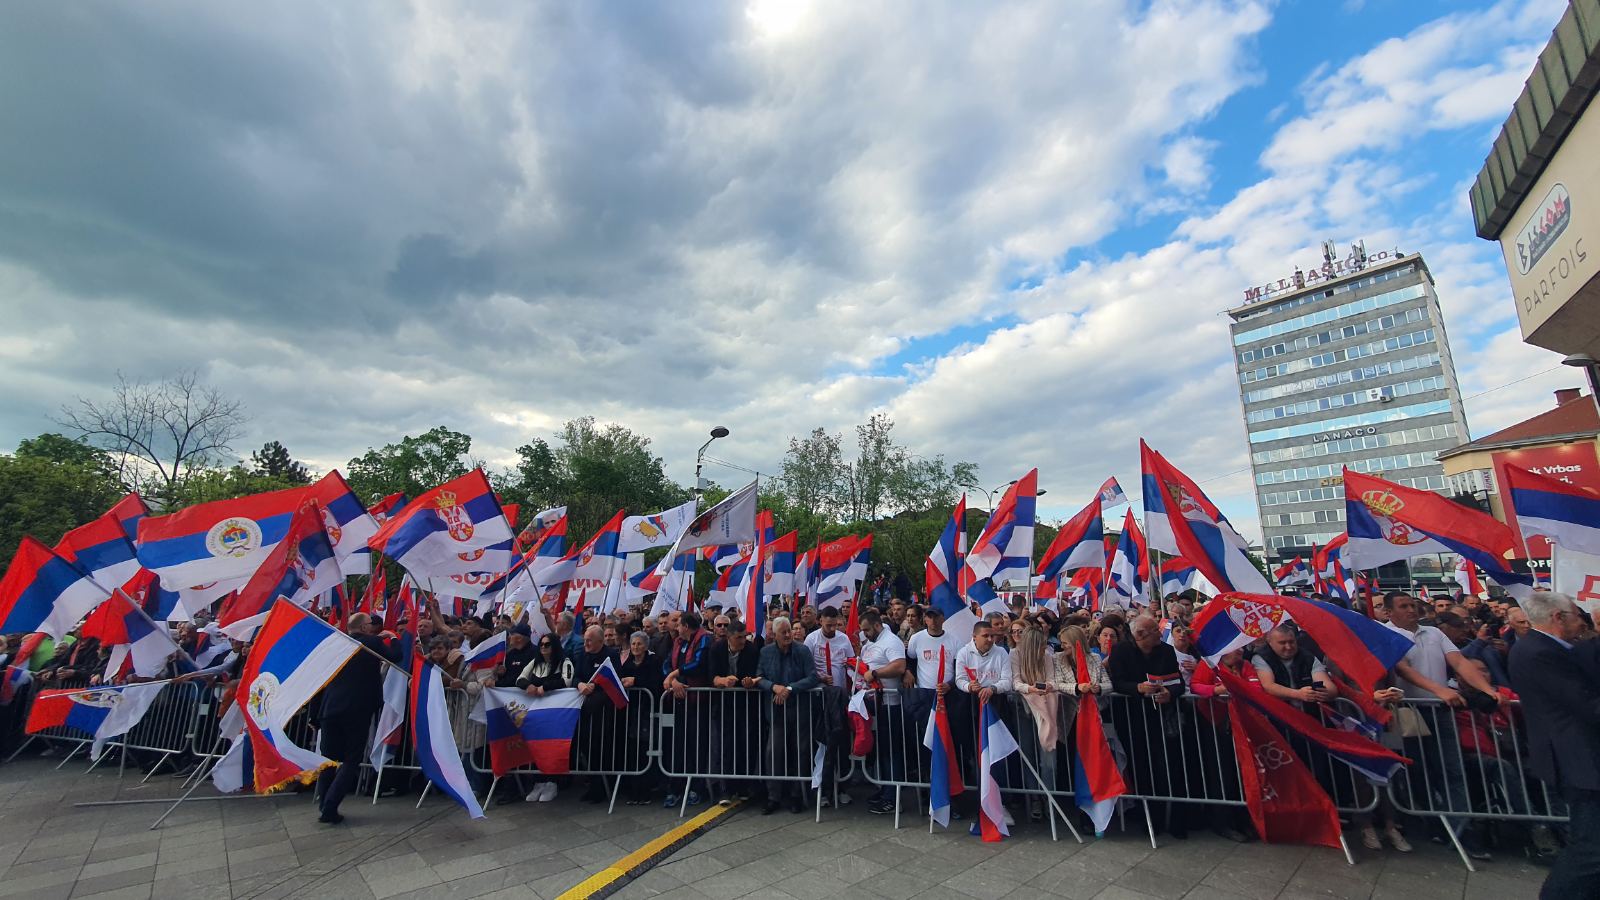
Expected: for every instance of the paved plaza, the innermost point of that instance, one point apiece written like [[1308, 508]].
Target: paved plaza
[[274, 848]]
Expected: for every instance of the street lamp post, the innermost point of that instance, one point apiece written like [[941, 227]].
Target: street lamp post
[[1589, 366], [699, 459]]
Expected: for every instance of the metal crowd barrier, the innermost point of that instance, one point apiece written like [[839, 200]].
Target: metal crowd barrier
[[720, 737], [168, 728], [1466, 765], [59, 737], [610, 743]]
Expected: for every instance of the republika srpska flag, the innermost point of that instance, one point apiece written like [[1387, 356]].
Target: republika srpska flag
[[454, 529], [844, 566], [294, 656], [942, 571], [995, 744], [1129, 570], [1096, 781], [1179, 519], [130, 633], [227, 540], [101, 550], [1080, 543], [1004, 550], [301, 565], [1562, 513], [45, 593], [102, 713], [1388, 523]]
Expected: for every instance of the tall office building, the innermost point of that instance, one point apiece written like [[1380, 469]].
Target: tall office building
[[1345, 365]]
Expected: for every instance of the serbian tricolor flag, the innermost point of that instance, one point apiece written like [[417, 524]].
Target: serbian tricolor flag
[[129, 510], [526, 730], [101, 550], [1388, 522], [301, 566], [1129, 570], [1295, 572], [1004, 550], [672, 582], [43, 592], [1467, 577], [488, 654], [600, 561], [843, 565], [1079, 543], [1285, 802], [1179, 575], [377, 586], [1327, 565], [455, 529], [1110, 493], [102, 713], [995, 744], [803, 583], [750, 594], [1558, 511], [431, 737], [1096, 782], [388, 506], [1179, 519], [944, 768], [778, 564], [607, 679], [1083, 588], [1361, 648]]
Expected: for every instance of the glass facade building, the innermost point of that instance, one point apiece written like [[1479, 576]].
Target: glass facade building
[[1350, 371]]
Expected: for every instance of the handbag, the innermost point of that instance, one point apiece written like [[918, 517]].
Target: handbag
[[1410, 723]]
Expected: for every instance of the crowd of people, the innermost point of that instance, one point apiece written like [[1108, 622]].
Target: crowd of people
[[749, 706]]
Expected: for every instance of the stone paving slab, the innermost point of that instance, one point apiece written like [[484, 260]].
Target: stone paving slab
[[271, 848]]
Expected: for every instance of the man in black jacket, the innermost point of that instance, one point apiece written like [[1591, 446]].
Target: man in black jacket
[[344, 714], [598, 719], [1562, 708]]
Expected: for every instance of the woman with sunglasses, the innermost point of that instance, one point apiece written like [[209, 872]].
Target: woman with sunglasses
[[549, 671]]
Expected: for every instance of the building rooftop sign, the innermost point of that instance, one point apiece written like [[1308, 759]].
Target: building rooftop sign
[[1332, 268]]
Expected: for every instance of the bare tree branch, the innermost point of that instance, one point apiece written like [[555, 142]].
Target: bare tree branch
[[161, 432]]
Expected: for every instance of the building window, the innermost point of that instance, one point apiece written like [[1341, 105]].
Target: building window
[[1343, 310], [1349, 376], [1446, 431], [1355, 398], [1333, 357]]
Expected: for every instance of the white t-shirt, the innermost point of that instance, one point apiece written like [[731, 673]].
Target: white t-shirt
[[838, 648], [1427, 655], [880, 653], [924, 648]]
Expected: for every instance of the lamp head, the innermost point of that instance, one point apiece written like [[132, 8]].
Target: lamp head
[[1579, 360], [719, 432]]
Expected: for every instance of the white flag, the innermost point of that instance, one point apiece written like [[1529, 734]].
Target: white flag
[[729, 522], [655, 530]]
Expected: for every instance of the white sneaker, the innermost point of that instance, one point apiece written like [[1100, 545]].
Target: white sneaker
[[533, 794], [844, 799], [1009, 821], [547, 792]]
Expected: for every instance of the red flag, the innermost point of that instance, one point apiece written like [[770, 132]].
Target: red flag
[[1286, 803], [852, 624]]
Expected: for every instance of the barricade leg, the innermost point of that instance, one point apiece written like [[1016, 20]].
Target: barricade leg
[[21, 747]]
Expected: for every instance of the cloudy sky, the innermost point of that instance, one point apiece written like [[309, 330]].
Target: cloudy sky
[[1011, 226]]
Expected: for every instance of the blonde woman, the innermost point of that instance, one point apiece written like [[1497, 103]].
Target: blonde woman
[[1037, 677]]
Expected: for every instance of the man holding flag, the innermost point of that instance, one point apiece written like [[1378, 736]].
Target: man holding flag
[[344, 715]]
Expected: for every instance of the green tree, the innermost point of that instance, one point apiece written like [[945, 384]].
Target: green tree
[[49, 487], [273, 461], [415, 464], [593, 470], [812, 474], [226, 484]]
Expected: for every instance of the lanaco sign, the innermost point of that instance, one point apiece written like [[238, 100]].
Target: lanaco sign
[[1330, 269]]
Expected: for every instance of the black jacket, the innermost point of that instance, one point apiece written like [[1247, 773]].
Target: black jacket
[[357, 690], [1561, 705]]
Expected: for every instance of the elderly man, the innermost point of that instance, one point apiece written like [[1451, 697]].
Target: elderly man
[[344, 712], [597, 725], [786, 671], [1562, 707], [1146, 669]]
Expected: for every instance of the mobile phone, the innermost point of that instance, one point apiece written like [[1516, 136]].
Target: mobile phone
[[1039, 685]]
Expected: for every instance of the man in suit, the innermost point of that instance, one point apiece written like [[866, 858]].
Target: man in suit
[[598, 723], [344, 715], [1562, 708]]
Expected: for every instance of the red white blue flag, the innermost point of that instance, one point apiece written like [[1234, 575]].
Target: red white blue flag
[[1179, 519], [44, 593], [526, 730], [1129, 570], [1096, 781], [995, 743], [1558, 511], [607, 679], [437, 754], [301, 566], [1003, 552], [455, 529], [1388, 522], [942, 573], [1079, 543]]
